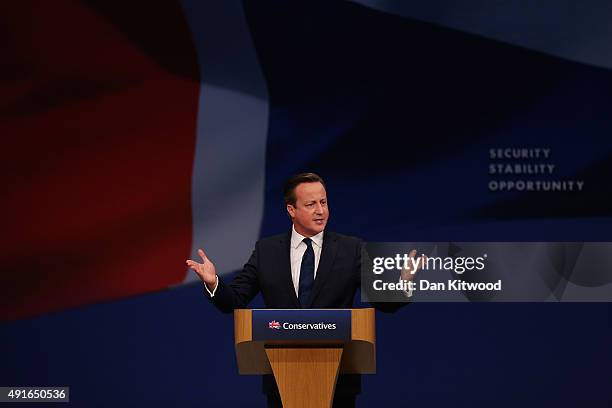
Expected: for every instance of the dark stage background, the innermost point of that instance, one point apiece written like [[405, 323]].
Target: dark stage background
[[136, 132]]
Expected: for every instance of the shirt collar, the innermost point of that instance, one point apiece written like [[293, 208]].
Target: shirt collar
[[297, 238]]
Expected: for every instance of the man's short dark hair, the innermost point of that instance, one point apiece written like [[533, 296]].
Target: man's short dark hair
[[293, 182]]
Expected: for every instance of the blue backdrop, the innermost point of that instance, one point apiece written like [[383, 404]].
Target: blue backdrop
[[397, 112]]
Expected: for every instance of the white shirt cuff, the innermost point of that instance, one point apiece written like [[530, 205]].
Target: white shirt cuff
[[212, 294], [407, 293]]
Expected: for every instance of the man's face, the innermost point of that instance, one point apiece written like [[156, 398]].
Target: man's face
[[310, 212]]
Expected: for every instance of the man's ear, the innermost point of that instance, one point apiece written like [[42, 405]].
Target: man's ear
[[291, 210]]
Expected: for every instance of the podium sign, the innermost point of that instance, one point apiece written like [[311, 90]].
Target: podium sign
[[308, 324]]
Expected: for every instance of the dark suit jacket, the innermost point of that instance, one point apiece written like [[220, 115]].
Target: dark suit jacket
[[268, 271]]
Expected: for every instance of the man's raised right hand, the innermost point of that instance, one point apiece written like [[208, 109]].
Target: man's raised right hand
[[205, 270]]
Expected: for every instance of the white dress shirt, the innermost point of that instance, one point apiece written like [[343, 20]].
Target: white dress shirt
[[296, 253]]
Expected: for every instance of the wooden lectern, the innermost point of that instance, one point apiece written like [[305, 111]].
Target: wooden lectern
[[305, 362]]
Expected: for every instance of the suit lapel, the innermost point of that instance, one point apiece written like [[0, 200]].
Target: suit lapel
[[328, 253], [284, 254]]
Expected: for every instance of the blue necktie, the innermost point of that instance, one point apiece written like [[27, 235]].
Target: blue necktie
[[306, 274]]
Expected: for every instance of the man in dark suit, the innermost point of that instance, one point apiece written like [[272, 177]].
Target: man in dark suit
[[307, 267]]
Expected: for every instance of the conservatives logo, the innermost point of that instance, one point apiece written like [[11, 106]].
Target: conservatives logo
[[301, 326]]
